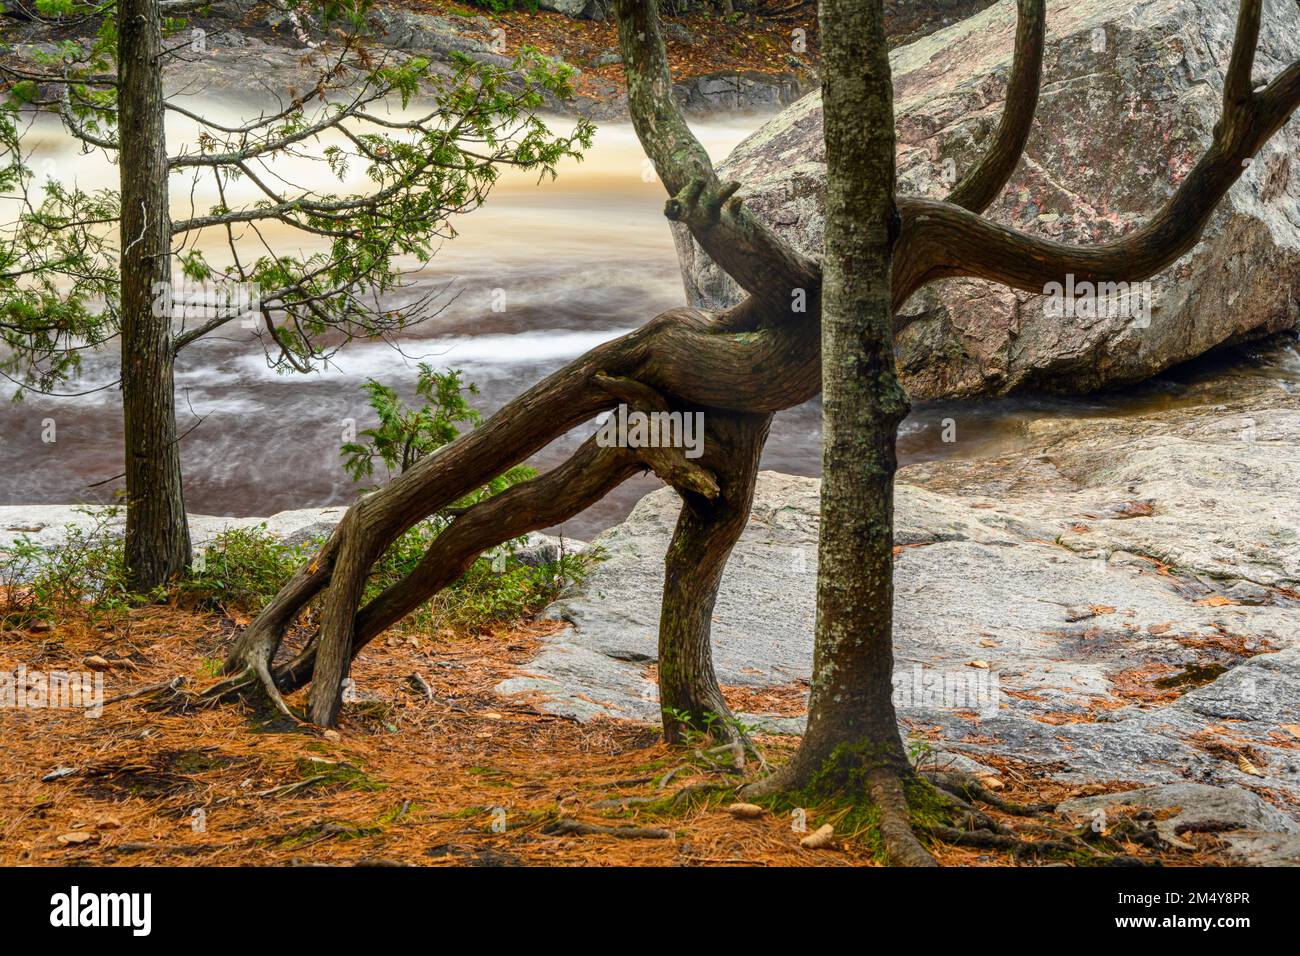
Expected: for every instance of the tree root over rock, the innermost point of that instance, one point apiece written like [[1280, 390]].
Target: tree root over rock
[[941, 806]]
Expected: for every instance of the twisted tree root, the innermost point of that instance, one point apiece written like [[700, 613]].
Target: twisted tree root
[[967, 787], [998, 841]]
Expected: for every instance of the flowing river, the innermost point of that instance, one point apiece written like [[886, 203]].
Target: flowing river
[[574, 262]]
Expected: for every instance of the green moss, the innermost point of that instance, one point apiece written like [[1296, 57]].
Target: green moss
[[838, 794], [337, 774]]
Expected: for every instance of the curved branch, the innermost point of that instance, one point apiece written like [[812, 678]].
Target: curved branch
[[1237, 88], [670, 464], [941, 240], [985, 182], [760, 262], [681, 353], [586, 477]]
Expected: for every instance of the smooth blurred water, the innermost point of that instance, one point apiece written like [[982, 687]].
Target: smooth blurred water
[[579, 260]]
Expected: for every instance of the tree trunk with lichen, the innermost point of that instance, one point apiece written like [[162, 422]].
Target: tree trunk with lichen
[[851, 747], [697, 555], [157, 533]]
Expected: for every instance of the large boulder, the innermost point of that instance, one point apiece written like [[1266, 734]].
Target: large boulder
[[1130, 97], [578, 9]]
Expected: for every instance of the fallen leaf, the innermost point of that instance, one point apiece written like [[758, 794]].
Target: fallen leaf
[[1245, 766], [1142, 508], [820, 838]]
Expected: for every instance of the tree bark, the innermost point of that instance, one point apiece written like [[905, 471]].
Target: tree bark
[[157, 535], [697, 555], [852, 746], [851, 704]]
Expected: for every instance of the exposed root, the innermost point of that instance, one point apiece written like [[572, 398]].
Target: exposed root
[[567, 827], [666, 778], [267, 683], [900, 797], [171, 687], [971, 817], [999, 841], [903, 848], [697, 790], [967, 787]]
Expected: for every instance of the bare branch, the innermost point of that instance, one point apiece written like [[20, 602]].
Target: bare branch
[[670, 464], [1237, 88], [941, 240], [985, 182]]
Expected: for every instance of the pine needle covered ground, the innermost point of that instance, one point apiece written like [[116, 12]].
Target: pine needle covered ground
[[449, 775]]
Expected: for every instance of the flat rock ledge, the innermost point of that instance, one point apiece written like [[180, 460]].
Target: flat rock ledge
[[1118, 603], [48, 527]]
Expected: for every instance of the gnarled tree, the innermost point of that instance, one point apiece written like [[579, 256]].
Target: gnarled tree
[[738, 367]]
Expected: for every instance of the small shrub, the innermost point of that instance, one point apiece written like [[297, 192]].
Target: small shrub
[[86, 575], [406, 434], [497, 589], [241, 570]]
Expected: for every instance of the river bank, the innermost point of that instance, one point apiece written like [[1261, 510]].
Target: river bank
[[256, 52], [1115, 605]]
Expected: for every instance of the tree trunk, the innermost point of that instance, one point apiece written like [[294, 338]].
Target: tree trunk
[[863, 402], [851, 746], [157, 536], [702, 542]]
